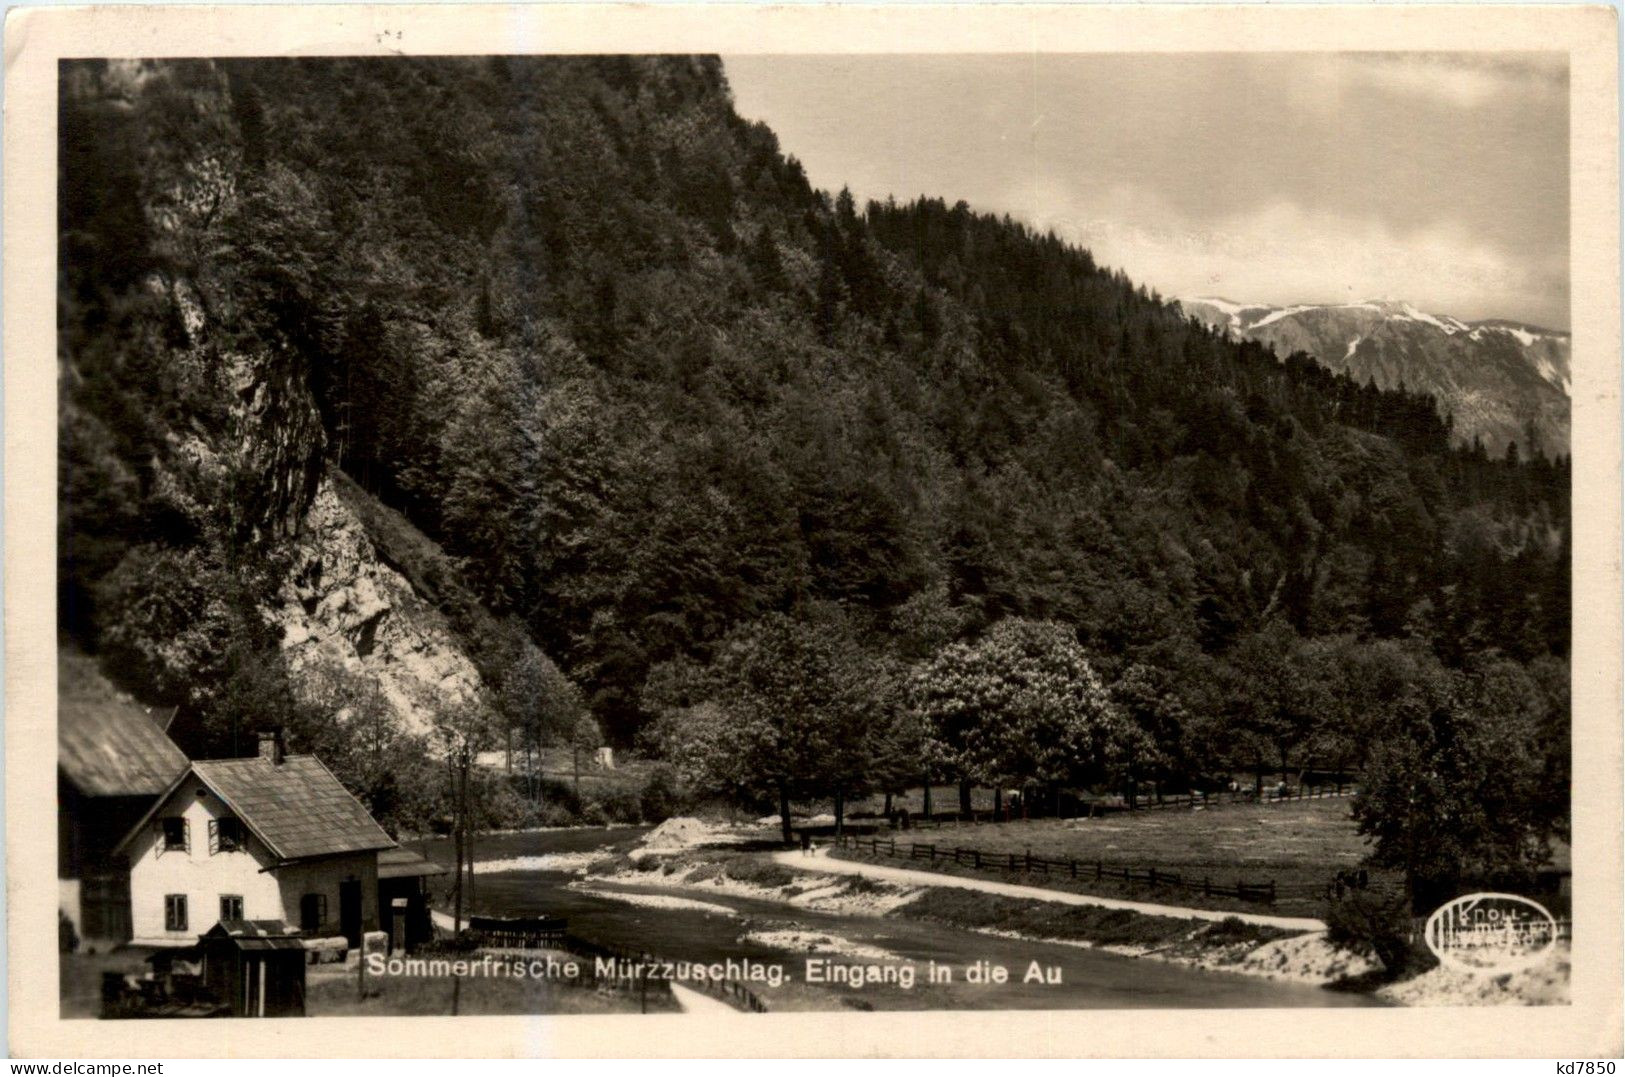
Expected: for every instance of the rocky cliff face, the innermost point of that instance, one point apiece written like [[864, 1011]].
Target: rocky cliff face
[[189, 366], [341, 607]]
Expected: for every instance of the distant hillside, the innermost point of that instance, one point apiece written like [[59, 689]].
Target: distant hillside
[[1500, 381]]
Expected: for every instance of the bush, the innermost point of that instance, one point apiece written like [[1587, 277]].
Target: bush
[[621, 806], [659, 801], [760, 872], [1234, 930], [505, 809], [1379, 927], [67, 939], [547, 791], [704, 872], [551, 813], [593, 814]]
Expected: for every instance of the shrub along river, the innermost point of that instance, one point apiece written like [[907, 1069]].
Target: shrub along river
[[698, 925]]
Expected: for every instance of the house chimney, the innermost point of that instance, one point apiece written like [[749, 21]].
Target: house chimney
[[271, 747]]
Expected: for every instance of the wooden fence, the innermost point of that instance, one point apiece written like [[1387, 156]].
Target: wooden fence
[[1174, 801], [519, 932], [984, 860]]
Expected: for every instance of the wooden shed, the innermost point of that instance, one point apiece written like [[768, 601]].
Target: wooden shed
[[256, 967], [403, 897]]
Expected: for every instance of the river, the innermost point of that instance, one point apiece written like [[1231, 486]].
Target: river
[[1088, 979]]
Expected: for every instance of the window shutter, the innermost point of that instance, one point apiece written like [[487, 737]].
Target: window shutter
[[158, 842], [214, 836], [186, 830]]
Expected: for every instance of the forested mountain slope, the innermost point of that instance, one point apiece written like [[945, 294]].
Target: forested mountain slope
[[599, 339]]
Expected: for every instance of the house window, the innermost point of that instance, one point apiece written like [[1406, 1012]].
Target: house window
[[176, 832], [174, 912], [312, 912], [231, 906], [225, 835]]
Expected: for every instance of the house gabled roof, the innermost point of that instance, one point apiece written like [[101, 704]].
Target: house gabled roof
[[107, 744], [296, 807]]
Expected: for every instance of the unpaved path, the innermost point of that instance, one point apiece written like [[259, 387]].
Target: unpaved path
[[821, 861]]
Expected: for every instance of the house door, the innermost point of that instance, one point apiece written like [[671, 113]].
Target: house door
[[350, 911]]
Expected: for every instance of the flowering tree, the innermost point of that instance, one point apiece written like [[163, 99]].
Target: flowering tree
[[1022, 703]]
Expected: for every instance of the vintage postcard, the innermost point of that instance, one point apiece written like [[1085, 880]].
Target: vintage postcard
[[812, 531]]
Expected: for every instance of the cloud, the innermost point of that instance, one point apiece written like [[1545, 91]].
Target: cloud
[[1463, 80], [1285, 253], [1279, 177]]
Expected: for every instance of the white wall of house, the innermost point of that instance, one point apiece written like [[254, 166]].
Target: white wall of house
[[156, 872], [323, 877]]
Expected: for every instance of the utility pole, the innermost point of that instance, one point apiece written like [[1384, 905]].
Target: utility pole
[[459, 836]]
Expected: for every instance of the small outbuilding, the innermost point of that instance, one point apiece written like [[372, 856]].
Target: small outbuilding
[[255, 967], [403, 897]]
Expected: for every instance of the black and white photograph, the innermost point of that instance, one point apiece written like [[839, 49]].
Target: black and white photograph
[[711, 533]]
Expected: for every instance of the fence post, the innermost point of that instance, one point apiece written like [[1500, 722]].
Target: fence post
[[1152, 875], [1073, 864], [1029, 860], [1099, 869], [1272, 892], [977, 854], [893, 850], [1012, 861], [1207, 887]]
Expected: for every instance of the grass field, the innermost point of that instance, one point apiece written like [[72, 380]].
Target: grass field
[[1082, 923], [1299, 845]]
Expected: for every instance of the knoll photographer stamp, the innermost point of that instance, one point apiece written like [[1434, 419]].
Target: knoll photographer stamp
[[1490, 934]]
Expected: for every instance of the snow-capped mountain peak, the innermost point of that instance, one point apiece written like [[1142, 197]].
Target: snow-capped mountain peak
[[1502, 380]]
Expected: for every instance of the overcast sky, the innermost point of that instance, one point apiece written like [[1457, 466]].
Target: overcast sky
[[1281, 178]]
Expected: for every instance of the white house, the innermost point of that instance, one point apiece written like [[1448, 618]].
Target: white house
[[273, 837]]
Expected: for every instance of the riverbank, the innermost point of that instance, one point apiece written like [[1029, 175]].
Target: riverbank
[[1546, 984], [716, 874], [1293, 950], [711, 924]]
